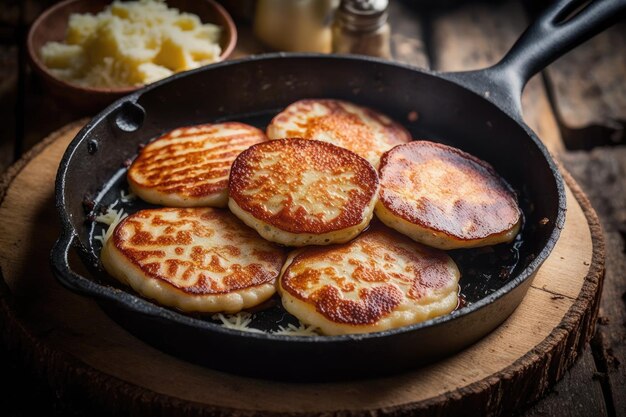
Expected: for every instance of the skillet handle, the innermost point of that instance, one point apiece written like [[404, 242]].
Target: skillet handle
[[63, 272], [61, 267], [560, 28]]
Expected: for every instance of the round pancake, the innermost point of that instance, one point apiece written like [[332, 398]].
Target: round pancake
[[189, 166], [380, 280], [443, 197], [359, 129], [303, 192], [193, 259]]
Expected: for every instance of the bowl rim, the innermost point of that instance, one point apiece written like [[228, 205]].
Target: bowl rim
[[41, 69]]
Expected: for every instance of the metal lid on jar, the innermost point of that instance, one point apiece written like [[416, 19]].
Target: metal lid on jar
[[363, 15]]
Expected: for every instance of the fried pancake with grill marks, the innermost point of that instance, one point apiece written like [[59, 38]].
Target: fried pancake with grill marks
[[359, 129], [443, 197], [378, 281], [189, 166], [303, 192], [194, 259]]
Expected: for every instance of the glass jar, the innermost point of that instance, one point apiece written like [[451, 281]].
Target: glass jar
[[295, 25]]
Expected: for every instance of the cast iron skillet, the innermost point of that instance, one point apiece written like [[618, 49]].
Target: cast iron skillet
[[477, 111]]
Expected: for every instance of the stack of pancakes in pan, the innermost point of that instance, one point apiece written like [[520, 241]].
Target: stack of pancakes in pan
[[301, 203]]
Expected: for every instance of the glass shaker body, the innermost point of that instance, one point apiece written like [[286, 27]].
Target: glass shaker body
[[375, 43], [295, 25], [361, 27]]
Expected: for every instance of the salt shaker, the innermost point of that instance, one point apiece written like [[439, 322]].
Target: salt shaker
[[361, 27]]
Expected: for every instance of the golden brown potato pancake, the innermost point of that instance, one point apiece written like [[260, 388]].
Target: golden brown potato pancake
[[380, 280], [193, 259], [443, 197], [364, 131], [303, 192], [189, 166]]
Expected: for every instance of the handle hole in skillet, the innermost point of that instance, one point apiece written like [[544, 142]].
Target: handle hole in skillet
[[571, 11], [130, 116]]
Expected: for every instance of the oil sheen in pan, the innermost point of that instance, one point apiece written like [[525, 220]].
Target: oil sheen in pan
[[483, 270]]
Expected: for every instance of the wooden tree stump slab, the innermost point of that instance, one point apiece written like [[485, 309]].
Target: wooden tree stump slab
[[83, 353]]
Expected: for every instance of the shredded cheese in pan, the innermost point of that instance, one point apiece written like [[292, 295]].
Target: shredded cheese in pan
[[301, 330], [111, 217], [238, 321], [102, 237], [127, 197], [241, 321]]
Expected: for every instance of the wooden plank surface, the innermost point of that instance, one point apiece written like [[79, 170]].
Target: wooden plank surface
[[601, 173], [9, 70], [8, 102], [589, 92], [407, 35], [565, 398], [476, 36]]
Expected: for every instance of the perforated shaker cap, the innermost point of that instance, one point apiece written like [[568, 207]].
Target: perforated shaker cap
[[363, 15]]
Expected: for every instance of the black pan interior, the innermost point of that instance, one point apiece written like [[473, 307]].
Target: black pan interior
[[253, 90], [484, 270]]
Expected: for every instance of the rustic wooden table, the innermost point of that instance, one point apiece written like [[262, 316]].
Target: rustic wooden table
[[577, 106]]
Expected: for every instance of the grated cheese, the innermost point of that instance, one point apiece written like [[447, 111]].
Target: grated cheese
[[102, 237], [111, 217], [127, 197], [237, 321], [131, 43], [241, 321], [301, 330]]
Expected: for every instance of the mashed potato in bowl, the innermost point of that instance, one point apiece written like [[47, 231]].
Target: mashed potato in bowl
[[131, 44]]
